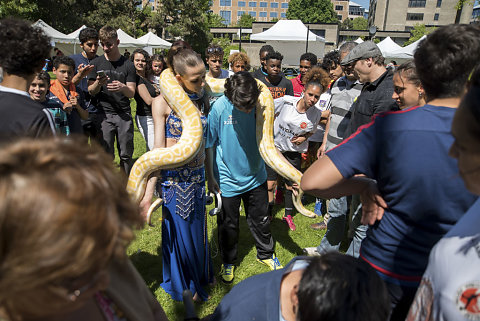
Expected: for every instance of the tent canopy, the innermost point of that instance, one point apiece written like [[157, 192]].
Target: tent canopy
[[76, 33], [128, 41], [387, 46], [55, 35], [359, 40], [154, 41], [287, 30], [407, 51]]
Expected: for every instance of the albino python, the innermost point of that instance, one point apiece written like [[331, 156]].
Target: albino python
[[188, 145]]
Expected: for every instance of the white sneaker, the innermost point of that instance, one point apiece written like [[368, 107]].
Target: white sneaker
[[311, 251]]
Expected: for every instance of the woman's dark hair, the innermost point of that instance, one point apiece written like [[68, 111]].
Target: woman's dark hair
[[146, 55], [242, 90], [25, 48], [445, 59], [317, 76], [331, 60], [44, 76], [338, 287], [88, 33], [409, 71]]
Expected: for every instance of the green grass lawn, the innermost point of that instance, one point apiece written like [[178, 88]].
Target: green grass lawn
[[145, 250]]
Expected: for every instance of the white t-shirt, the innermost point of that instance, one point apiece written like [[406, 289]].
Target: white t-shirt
[[289, 123], [450, 288], [322, 104]]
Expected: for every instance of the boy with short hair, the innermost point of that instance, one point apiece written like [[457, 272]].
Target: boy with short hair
[[38, 92], [307, 61], [113, 86], [240, 170], [65, 93], [88, 38], [214, 59], [275, 80], [26, 49]]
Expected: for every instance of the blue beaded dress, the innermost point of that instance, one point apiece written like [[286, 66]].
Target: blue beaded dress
[[186, 257]]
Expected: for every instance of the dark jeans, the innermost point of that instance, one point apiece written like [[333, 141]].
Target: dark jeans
[[256, 205], [120, 127], [401, 298], [92, 128]]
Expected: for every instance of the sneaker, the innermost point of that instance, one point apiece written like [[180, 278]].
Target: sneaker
[[311, 251], [289, 220], [272, 263], [227, 273]]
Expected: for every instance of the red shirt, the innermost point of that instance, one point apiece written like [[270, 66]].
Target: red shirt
[[297, 86]]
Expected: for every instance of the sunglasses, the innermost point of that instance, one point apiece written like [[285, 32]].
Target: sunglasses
[[212, 50]]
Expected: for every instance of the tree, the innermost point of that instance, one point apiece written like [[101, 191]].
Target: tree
[[346, 24], [214, 20], [313, 11], [360, 23], [418, 31], [245, 21], [188, 19]]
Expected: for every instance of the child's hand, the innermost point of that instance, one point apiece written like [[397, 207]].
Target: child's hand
[[74, 101], [84, 70], [297, 140], [67, 107]]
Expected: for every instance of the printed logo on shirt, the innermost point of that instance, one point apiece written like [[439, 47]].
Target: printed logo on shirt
[[230, 121], [303, 125], [468, 300], [277, 92]]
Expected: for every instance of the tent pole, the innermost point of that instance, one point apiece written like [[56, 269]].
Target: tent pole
[[306, 45], [240, 43]]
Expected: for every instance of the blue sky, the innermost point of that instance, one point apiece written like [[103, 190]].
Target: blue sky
[[363, 3]]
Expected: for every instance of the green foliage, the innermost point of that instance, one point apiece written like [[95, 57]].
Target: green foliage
[[346, 24], [245, 21], [461, 3], [188, 19], [312, 11], [214, 20], [418, 31], [274, 20], [24, 9], [360, 23]]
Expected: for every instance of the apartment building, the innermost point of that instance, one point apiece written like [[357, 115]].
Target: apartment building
[[348, 9], [403, 15], [264, 10]]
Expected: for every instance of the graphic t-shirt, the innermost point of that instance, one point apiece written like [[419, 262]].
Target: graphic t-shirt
[[280, 89], [290, 123], [122, 70], [450, 288], [239, 166], [407, 153]]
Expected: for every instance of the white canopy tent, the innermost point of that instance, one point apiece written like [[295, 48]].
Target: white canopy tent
[[407, 51], [289, 38], [387, 46], [358, 40], [66, 43], [127, 41], [151, 40]]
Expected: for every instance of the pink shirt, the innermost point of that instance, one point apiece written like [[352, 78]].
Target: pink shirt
[[297, 86]]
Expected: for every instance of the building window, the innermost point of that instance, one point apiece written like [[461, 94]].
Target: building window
[[240, 13], [439, 3], [263, 4], [252, 4], [262, 14], [227, 16], [252, 13], [283, 15], [339, 8], [273, 5], [417, 3], [436, 16], [414, 16], [225, 2], [241, 3], [339, 17], [285, 5], [273, 15]]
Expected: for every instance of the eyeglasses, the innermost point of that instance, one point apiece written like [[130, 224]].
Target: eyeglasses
[[212, 50]]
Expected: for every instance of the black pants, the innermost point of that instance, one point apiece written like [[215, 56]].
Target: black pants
[[256, 205], [401, 298]]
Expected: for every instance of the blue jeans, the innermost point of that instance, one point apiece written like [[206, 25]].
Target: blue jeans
[[338, 208]]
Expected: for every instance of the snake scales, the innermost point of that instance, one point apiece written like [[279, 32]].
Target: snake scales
[[188, 145]]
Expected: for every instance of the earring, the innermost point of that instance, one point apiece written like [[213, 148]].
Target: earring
[[420, 94]]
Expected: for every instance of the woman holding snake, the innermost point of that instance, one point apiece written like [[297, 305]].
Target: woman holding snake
[[186, 258], [296, 119]]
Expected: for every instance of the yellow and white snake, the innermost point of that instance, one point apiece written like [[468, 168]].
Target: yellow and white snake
[[188, 146]]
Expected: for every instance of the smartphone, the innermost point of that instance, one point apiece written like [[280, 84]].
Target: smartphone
[[101, 73]]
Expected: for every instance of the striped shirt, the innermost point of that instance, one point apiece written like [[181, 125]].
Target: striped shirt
[[344, 92]]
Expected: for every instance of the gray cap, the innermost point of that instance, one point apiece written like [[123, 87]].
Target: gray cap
[[366, 49]]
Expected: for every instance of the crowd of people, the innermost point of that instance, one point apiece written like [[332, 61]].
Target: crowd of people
[[394, 150]]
